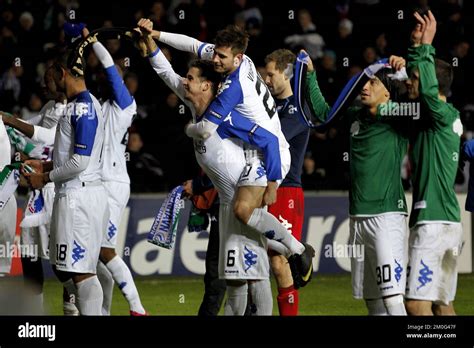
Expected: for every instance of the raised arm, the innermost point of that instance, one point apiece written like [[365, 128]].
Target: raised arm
[[185, 43]]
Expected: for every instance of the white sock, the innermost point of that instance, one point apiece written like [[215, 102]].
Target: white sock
[[69, 307], [395, 305], [265, 223], [89, 296], [107, 283], [279, 248], [124, 280], [236, 303], [261, 293], [376, 307]]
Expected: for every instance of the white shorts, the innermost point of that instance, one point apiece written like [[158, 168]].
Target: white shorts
[[7, 233], [380, 269], [254, 173], [78, 223], [39, 236], [433, 263], [242, 251], [119, 193]]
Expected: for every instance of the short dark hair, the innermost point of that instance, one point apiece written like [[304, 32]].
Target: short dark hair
[[396, 88], [206, 69], [282, 58], [444, 75], [234, 37], [64, 61]]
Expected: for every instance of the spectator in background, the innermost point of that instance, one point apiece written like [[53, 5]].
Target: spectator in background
[[344, 44], [191, 19], [10, 88], [306, 36], [369, 56], [328, 76], [28, 113], [381, 45], [158, 16], [143, 168]]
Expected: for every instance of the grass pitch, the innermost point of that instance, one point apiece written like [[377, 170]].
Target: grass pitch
[[325, 295]]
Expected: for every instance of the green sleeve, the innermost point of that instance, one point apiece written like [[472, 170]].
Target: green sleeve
[[423, 58], [320, 107]]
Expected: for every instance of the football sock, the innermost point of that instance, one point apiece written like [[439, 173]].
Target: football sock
[[89, 296], [288, 301], [107, 283]]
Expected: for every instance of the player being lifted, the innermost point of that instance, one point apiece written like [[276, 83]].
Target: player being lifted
[[80, 209], [243, 251], [377, 210], [289, 206], [435, 228], [244, 90]]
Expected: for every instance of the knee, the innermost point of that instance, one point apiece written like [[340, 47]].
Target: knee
[[415, 307], [107, 254], [243, 211]]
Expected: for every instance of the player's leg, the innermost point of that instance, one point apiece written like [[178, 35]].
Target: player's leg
[[7, 232], [118, 194], [289, 210], [261, 293], [425, 249], [79, 218], [441, 309], [247, 208], [236, 303], [452, 241], [384, 239], [107, 282], [214, 287]]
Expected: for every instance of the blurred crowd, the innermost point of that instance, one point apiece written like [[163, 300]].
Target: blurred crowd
[[342, 37]]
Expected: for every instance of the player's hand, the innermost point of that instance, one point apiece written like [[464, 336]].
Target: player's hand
[[36, 165], [37, 180], [428, 26], [310, 62], [85, 32], [188, 188], [270, 195], [146, 26], [397, 62]]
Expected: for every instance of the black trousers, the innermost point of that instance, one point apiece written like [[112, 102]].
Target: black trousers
[[214, 288]]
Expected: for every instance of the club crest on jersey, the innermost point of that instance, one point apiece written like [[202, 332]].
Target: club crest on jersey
[[224, 85], [229, 118]]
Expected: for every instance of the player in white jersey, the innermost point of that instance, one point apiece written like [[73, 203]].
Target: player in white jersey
[[38, 234], [119, 110], [8, 208], [80, 210], [244, 90], [242, 251]]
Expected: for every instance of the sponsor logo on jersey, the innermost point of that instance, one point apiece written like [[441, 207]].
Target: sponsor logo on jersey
[[228, 118], [425, 274], [224, 85], [250, 258], [398, 271], [77, 252], [111, 230]]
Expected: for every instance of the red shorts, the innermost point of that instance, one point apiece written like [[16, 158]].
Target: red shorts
[[289, 209]]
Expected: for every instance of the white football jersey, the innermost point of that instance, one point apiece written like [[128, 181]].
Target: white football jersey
[[117, 122], [80, 131], [5, 147]]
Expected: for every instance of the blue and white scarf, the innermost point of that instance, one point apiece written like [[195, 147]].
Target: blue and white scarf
[[163, 230], [350, 91]]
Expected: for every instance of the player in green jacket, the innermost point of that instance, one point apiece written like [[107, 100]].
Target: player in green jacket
[[435, 227], [378, 212]]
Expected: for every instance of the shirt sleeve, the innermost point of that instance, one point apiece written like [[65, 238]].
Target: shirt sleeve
[[188, 44], [230, 95], [320, 107], [423, 58], [84, 122], [238, 126], [468, 149]]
